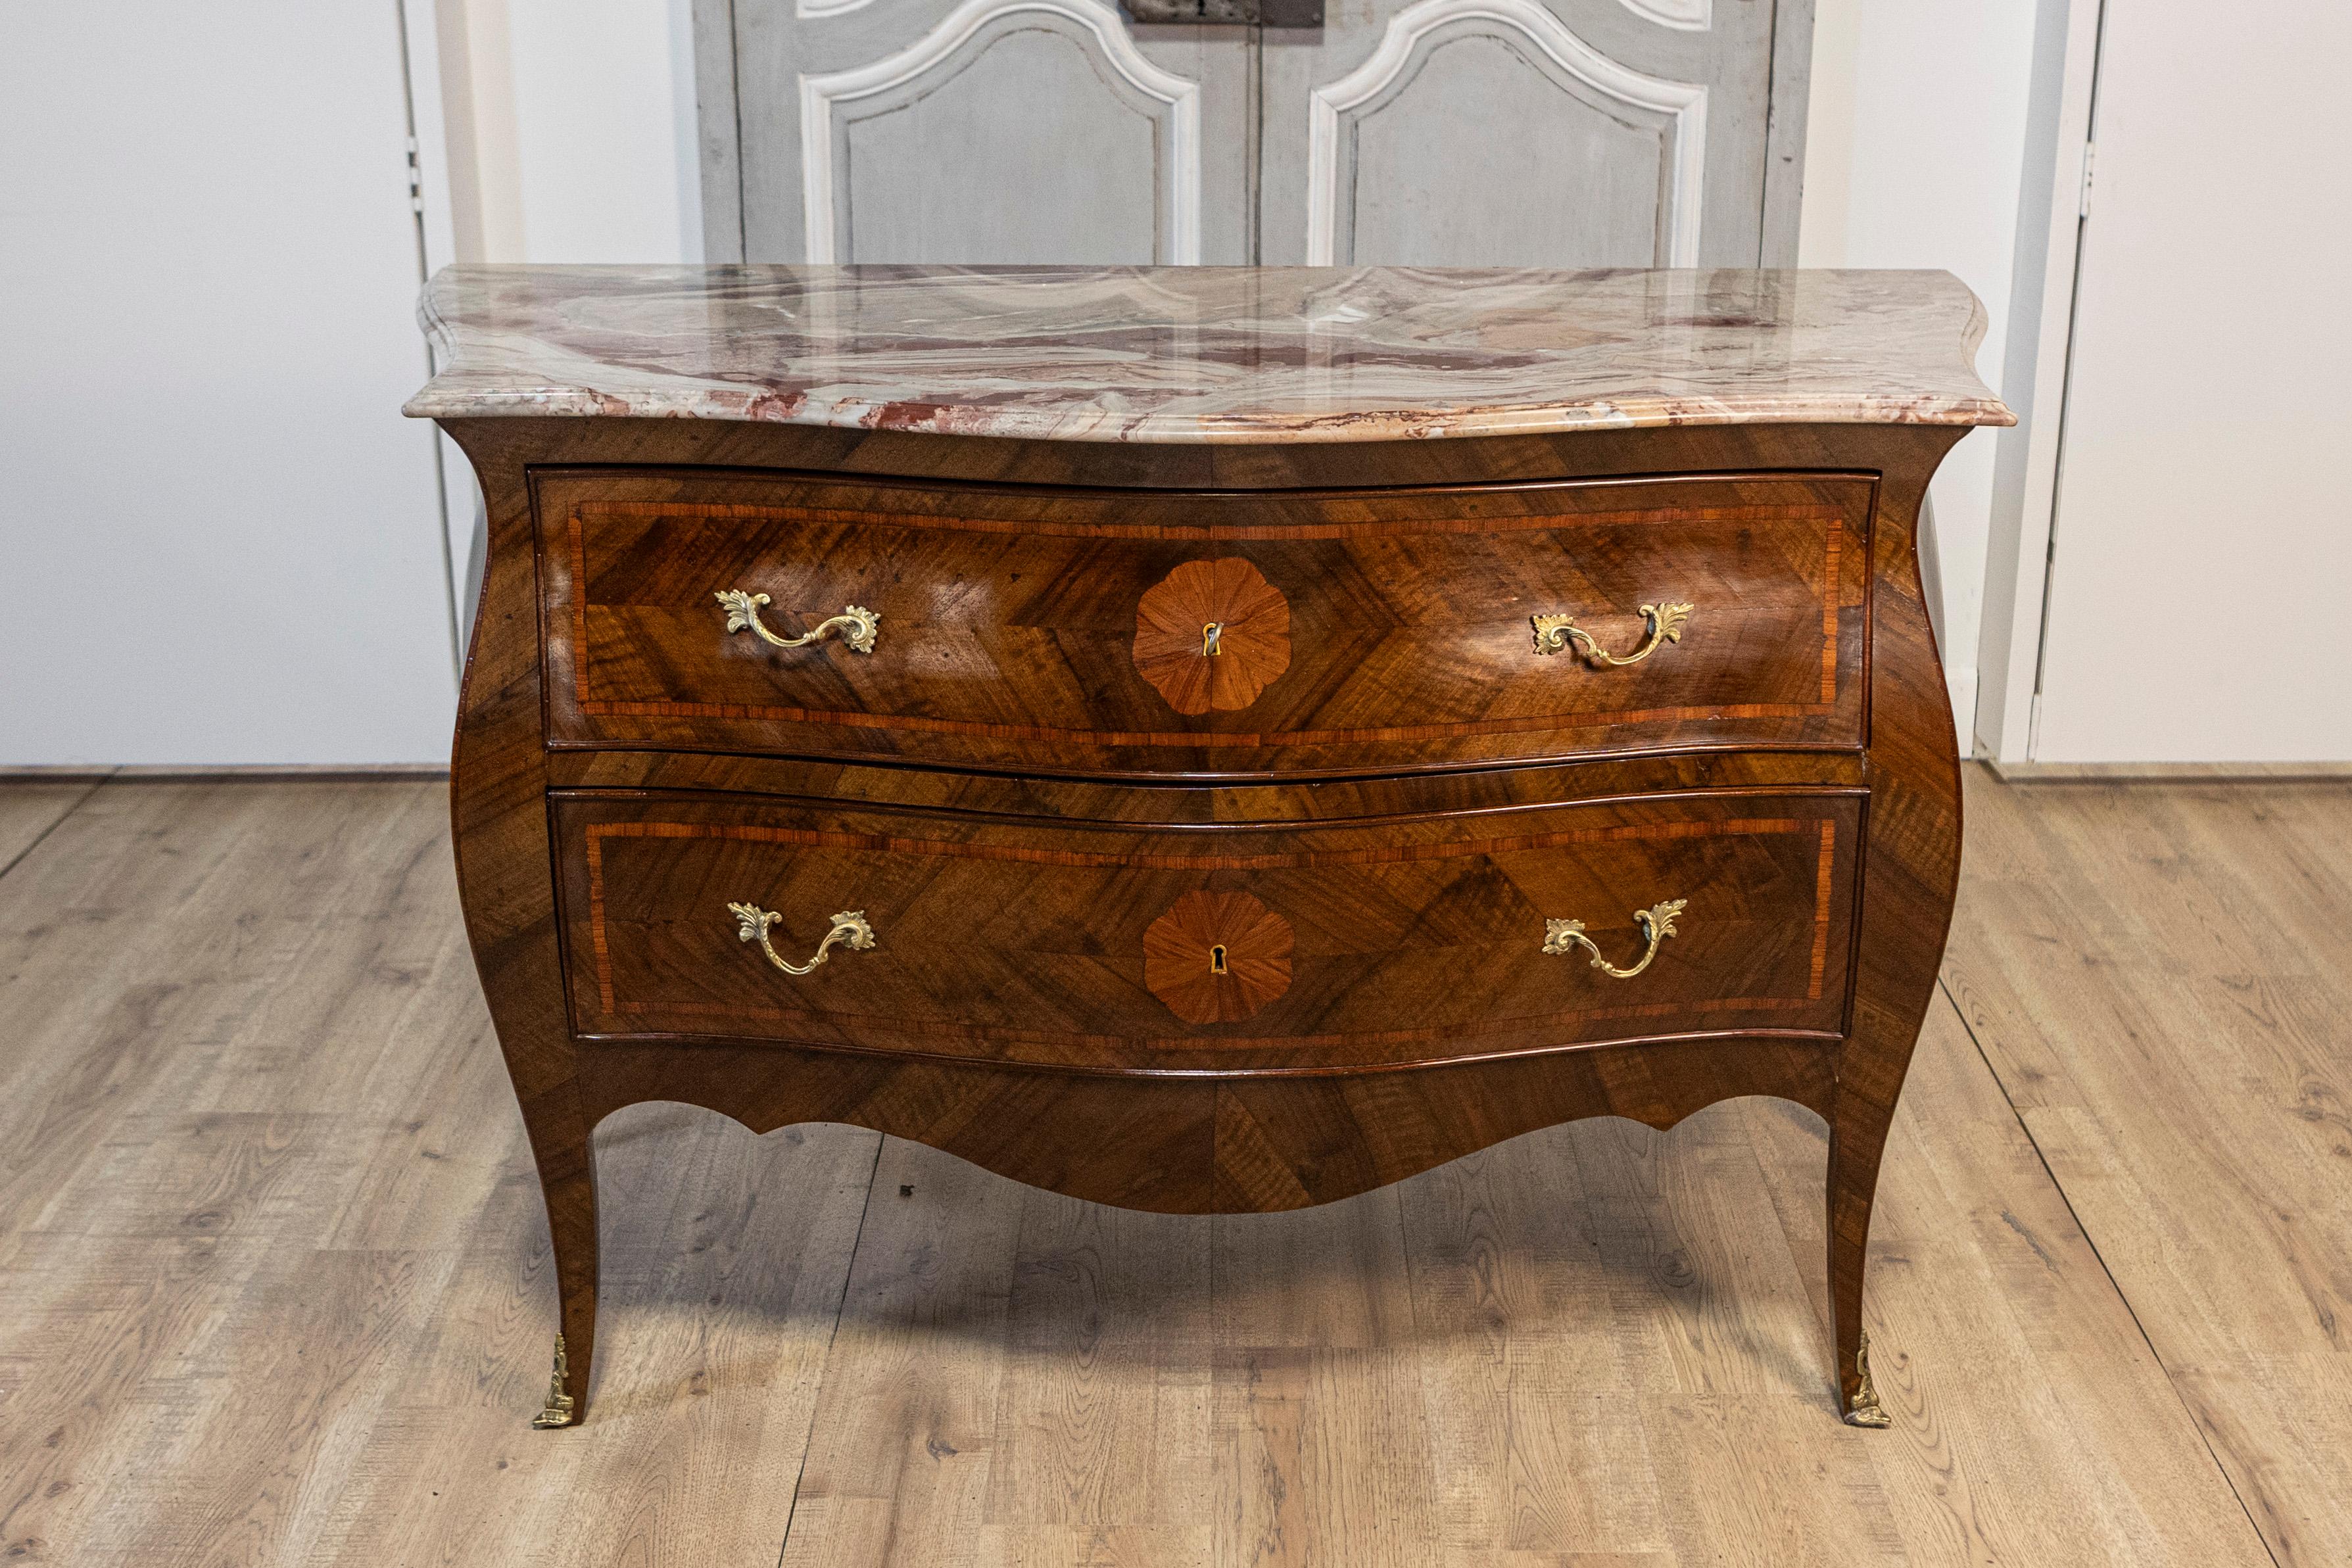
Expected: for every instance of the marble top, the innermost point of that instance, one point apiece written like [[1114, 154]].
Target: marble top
[[1206, 354]]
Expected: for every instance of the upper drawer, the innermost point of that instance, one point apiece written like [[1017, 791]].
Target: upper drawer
[[1204, 635]]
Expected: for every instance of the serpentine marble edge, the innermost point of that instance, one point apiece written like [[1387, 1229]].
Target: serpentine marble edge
[[1205, 354]]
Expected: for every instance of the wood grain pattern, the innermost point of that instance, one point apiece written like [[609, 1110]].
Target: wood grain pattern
[[1200, 1145], [2160, 976], [1869, 479], [273, 1287], [1910, 873], [1100, 801], [1063, 630], [1028, 940], [29, 809]]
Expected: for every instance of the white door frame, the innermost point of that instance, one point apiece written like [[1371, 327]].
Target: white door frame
[[2052, 204]]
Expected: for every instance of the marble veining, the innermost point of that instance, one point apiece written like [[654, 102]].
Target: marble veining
[[1206, 354]]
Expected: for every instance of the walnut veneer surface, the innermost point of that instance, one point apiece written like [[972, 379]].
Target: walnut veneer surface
[[1217, 805]]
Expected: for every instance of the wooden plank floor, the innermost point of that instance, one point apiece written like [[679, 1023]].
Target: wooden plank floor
[[2161, 977], [275, 1288]]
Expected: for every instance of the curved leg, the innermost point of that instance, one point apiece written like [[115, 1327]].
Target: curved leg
[[1857, 1139], [1910, 872], [497, 810], [567, 1174]]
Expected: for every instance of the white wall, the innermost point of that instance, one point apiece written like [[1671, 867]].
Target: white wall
[[572, 130], [219, 541], [1915, 138], [553, 131]]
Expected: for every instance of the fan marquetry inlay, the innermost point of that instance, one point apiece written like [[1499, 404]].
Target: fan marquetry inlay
[[1212, 634], [1217, 957]]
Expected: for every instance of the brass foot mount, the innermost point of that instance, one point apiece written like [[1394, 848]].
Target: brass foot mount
[[557, 1412], [1866, 1411]]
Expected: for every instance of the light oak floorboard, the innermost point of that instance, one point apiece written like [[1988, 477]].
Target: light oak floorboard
[[274, 1278], [275, 1288], [2161, 976], [27, 811], [1596, 1345]]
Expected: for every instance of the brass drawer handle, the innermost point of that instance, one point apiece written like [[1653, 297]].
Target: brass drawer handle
[[858, 626], [1657, 922], [849, 927], [1553, 631]]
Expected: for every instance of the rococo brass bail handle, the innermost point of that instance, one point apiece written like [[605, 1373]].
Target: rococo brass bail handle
[[1553, 634], [1657, 923], [848, 926], [858, 626]]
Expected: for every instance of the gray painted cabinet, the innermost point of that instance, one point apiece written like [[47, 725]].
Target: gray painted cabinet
[[1407, 133]]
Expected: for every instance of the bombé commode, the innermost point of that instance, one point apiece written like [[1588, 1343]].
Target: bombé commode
[[1254, 735]]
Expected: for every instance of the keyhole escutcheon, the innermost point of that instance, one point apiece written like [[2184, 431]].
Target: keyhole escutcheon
[[1211, 634], [1217, 960]]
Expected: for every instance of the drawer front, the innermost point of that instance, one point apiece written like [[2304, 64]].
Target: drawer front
[[1136, 947], [1203, 636]]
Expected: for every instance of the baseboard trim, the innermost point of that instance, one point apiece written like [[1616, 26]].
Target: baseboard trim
[[320, 772], [2169, 772]]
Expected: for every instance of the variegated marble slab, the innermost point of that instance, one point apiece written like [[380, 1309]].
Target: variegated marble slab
[[1206, 354]]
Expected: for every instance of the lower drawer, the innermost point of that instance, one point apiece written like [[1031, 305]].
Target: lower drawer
[[1244, 947]]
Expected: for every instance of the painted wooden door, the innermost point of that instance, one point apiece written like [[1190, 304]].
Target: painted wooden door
[[970, 130], [1521, 134], [1414, 132]]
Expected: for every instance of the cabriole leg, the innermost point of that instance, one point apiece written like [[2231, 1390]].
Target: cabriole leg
[[1857, 1139], [568, 1174]]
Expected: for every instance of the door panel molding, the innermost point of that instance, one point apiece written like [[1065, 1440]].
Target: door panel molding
[[1236, 110], [1386, 71], [1683, 15], [1178, 200]]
